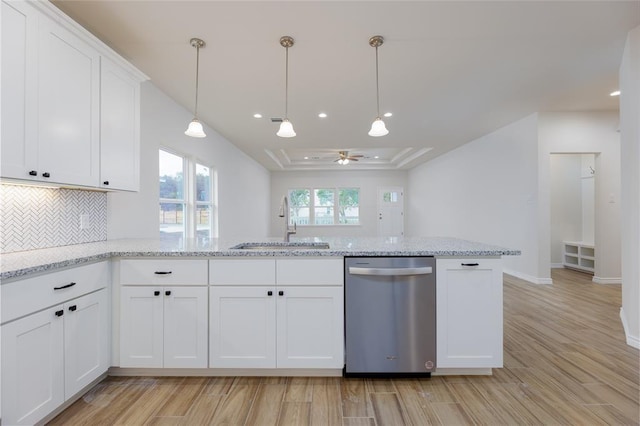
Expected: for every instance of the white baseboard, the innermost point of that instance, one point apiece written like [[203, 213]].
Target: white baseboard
[[529, 278], [601, 280], [631, 340], [463, 372], [556, 266]]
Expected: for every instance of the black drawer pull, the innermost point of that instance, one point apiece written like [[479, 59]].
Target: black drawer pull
[[73, 308], [156, 293], [59, 313], [64, 286], [281, 293], [46, 174], [269, 293], [162, 272], [470, 264], [167, 293], [106, 182], [33, 173]]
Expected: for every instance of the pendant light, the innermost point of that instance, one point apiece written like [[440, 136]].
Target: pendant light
[[286, 128], [195, 129], [377, 128]]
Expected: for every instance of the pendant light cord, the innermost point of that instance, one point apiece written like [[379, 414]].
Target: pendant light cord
[[286, 84], [197, 69], [377, 85]]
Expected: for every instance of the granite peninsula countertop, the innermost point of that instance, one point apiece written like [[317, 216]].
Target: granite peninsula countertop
[[19, 264]]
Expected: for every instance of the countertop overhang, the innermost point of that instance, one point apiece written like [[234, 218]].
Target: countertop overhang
[[19, 264]]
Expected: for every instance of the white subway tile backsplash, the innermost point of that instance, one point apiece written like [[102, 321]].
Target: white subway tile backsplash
[[34, 217]]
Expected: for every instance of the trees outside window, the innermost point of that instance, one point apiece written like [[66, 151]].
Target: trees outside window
[[324, 206]]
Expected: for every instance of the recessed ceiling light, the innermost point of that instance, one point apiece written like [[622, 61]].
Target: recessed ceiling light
[[306, 158], [322, 115], [616, 93], [257, 115], [388, 114], [376, 157]]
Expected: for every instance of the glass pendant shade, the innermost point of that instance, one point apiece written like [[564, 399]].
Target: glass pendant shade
[[378, 128], [195, 129], [286, 129]]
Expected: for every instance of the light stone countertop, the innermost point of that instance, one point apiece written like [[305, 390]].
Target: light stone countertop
[[19, 264]]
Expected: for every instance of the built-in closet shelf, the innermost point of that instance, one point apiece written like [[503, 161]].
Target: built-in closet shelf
[[579, 255]]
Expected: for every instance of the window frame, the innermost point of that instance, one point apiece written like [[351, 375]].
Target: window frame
[[189, 200], [312, 207]]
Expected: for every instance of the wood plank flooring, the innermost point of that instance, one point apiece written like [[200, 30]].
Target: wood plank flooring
[[566, 363]]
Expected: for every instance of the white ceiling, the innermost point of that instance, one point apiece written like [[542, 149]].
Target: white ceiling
[[450, 71]]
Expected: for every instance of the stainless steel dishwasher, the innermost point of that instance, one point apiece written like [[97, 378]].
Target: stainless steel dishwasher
[[390, 316]]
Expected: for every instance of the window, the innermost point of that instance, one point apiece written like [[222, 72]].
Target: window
[[187, 198], [324, 206]]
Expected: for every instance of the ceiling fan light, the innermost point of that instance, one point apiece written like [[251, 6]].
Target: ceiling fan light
[[286, 129], [378, 128], [345, 161], [195, 129]]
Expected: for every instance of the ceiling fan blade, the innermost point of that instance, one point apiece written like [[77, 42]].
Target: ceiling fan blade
[[353, 159], [356, 155]]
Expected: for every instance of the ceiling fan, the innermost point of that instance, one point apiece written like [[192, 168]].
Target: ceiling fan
[[344, 157]]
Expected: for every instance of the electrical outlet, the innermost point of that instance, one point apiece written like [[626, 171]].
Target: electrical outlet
[[85, 221]]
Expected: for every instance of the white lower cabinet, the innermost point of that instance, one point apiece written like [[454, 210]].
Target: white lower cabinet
[[49, 356], [271, 320], [163, 327], [469, 313]]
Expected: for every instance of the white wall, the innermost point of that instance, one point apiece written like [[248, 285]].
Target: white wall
[[367, 181], [580, 132], [487, 191], [243, 184], [630, 191], [566, 203]]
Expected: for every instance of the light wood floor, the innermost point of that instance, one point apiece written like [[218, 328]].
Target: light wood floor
[[566, 362]]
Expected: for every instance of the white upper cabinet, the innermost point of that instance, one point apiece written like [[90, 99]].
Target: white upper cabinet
[[68, 107], [52, 95], [119, 128]]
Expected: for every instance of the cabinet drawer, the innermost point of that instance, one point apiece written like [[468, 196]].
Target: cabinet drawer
[[20, 298], [310, 271], [242, 272], [163, 272]]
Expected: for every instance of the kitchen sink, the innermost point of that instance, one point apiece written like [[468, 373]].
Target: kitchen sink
[[280, 246]]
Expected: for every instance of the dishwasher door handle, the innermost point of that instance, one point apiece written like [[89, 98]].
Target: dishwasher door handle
[[353, 270]]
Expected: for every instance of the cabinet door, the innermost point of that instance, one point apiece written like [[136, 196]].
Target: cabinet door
[[119, 128], [86, 348], [242, 327], [141, 327], [185, 327], [32, 367], [469, 313], [310, 327], [19, 95], [68, 107]]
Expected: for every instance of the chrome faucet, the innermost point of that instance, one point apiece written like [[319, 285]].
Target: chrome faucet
[[284, 212]]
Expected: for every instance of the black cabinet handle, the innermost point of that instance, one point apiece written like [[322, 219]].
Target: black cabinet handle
[[106, 182], [470, 264], [33, 173], [162, 272], [269, 293], [59, 313], [167, 293], [46, 174], [156, 293], [73, 308], [64, 286], [281, 293]]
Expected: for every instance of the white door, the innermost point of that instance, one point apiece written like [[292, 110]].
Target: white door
[[242, 328], [19, 90], [86, 339], [185, 327], [141, 327], [119, 128], [68, 107], [32, 367], [469, 316], [310, 327], [390, 212]]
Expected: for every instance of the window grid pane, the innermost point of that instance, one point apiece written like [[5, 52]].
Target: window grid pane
[[299, 203], [171, 176]]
